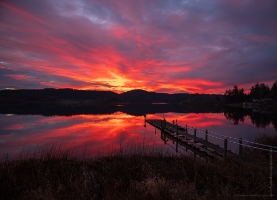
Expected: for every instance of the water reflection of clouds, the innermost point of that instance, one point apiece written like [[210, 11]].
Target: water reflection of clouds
[[103, 133], [197, 120], [83, 130]]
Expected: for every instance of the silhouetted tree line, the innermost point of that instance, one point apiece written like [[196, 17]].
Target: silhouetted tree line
[[261, 120], [50, 95], [258, 91]]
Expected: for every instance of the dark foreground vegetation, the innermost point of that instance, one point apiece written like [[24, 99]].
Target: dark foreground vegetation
[[53, 173]]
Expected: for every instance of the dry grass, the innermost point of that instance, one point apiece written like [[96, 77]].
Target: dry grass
[[262, 157], [57, 173]]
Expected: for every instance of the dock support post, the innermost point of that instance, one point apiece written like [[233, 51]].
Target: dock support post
[[206, 135], [225, 148], [176, 147], [162, 127], [240, 146], [164, 123], [194, 136], [163, 137], [186, 129], [145, 120], [176, 128]]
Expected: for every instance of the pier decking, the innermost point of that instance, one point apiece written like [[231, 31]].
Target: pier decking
[[180, 135]]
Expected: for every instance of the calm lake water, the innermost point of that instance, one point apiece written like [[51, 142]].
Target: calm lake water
[[100, 134]]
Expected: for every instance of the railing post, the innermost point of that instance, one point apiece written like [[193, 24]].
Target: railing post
[[186, 128], [240, 146], [194, 136], [164, 123], [163, 137], [176, 146], [161, 126], [206, 135], [176, 128], [145, 120], [225, 148]]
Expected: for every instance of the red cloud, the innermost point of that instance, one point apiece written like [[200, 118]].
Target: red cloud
[[25, 14], [124, 46]]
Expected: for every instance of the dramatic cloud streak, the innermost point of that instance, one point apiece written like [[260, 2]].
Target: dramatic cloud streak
[[164, 46]]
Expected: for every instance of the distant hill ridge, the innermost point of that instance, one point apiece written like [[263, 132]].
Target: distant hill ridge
[[133, 96]]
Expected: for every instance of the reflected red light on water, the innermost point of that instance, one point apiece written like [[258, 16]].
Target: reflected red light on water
[[194, 119], [103, 134], [98, 134]]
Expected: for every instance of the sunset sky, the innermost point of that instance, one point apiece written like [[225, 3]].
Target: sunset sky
[[195, 46]]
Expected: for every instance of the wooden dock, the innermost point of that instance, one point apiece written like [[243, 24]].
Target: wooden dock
[[180, 135]]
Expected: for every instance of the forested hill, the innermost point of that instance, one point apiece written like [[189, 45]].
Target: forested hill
[[134, 96]]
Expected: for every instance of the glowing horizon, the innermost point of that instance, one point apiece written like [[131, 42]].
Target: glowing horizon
[[160, 46]]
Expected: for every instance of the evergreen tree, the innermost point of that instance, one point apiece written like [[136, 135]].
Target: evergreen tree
[[259, 91], [235, 95], [273, 91]]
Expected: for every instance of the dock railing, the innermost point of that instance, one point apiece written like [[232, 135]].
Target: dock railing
[[182, 130], [227, 139]]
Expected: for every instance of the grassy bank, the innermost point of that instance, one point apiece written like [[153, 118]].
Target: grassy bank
[[55, 173]]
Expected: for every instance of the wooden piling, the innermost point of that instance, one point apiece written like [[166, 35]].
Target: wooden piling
[[162, 130], [194, 136], [186, 128], [240, 146], [176, 128], [206, 135], [145, 120], [225, 148]]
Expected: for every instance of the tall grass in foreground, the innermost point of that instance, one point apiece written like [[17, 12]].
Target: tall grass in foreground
[[52, 172], [262, 157]]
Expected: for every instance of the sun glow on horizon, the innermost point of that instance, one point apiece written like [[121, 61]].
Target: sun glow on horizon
[[117, 46]]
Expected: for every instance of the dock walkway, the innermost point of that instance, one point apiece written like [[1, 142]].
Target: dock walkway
[[180, 135]]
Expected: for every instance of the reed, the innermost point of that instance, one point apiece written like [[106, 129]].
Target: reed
[[137, 172]]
